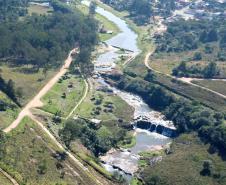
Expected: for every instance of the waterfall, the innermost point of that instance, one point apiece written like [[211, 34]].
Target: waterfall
[[154, 127]]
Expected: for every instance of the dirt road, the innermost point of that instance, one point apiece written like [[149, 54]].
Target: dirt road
[[36, 101], [14, 182], [184, 80]]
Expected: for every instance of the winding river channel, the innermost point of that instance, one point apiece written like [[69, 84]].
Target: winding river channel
[[126, 161]]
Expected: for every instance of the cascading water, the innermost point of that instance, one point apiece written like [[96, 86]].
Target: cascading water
[[126, 161]]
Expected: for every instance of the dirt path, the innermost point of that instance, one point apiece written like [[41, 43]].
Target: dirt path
[[185, 80], [81, 100], [14, 182], [36, 101]]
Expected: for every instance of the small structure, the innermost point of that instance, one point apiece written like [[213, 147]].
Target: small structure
[[95, 121]]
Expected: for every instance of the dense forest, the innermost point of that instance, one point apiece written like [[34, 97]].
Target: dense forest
[[142, 10], [187, 35], [11, 10], [43, 41], [206, 39]]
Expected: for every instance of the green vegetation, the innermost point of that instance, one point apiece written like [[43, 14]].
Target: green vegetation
[[139, 80], [105, 106], [135, 181], [103, 23], [8, 111], [37, 9], [128, 141], [26, 80], [44, 41], [95, 164], [201, 45], [11, 10], [140, 11], [64, 95], [184, 165], [197, 94], [186, 115], [31, 157], [35, 46], [98, 139], [4, 180], [216, 85]]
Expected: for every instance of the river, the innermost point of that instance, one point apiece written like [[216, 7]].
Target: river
[[126, 161]]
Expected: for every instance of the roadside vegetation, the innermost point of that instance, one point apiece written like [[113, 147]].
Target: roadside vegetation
[[216, 85], [8, 110], [26, 82], [4, 180], [36, 45], [197, 94], [31, 157]]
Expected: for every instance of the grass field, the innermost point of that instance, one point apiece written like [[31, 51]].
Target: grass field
[[54, 100], [37, 9], [104, 106], [23, 76], [6, 117], [216, 85], [183, 166]]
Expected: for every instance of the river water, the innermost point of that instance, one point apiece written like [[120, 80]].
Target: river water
[[126, 161]]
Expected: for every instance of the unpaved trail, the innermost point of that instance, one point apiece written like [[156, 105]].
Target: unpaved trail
[[36, 101], [185, 80], [81, 100], [56, 142], [14, 182]]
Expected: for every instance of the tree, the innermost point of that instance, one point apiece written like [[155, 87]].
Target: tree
[[180, 70], [19, 93], [212, 36], [182, 67], [210, 70], [10, 89], [197, 56], [207, 168], [42, 167], [92, 8], [2, 144]]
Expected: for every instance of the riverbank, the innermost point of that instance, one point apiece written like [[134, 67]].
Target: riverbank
[[104, 23], [126, 160], [190, 143]]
